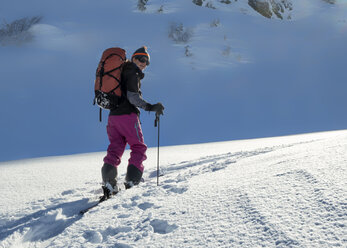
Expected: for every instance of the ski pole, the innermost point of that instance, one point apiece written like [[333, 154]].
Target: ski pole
[[157, 124]]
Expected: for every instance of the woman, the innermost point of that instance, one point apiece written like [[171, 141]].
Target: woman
[[124, 126]]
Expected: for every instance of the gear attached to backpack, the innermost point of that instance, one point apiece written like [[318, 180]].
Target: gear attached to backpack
[[108, 92]]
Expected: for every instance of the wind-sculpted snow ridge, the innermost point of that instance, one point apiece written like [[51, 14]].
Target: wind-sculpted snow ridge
[[279, 192]]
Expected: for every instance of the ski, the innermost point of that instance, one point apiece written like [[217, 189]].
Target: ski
[[82, 212], [107, 195], [103, 198]]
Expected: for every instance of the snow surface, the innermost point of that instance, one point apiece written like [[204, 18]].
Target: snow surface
[[246, 76], [274, 192]]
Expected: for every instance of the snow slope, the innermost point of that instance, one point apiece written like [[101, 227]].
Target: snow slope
[[256, 76], [274, 192]]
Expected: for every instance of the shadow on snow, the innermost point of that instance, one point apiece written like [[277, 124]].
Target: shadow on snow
[[45, 224]]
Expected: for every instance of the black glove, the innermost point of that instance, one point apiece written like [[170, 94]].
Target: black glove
[[157, 108]]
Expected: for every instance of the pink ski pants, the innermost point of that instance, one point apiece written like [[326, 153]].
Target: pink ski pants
[[123, 130]]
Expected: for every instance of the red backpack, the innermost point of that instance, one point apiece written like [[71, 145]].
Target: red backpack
[[108, 93]]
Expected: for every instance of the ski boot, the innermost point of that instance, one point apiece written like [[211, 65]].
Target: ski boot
[[109, 178], [133, 177]]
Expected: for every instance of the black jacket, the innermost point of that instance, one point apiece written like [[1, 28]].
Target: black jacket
[[131, 89]]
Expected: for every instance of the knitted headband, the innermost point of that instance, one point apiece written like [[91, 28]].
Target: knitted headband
[[141, 52]]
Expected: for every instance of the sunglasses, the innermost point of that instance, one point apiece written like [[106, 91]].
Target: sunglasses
[[143, 59]]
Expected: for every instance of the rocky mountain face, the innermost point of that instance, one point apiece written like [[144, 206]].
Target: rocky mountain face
[[280, 9], [209, 4], [330, 1], [269, 8]]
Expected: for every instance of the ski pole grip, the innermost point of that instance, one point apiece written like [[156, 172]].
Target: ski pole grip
[[156, 120]]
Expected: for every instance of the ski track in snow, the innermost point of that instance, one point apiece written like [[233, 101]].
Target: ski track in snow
[[284, 206]]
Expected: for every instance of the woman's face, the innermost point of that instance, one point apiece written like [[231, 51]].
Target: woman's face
[[141, 65]]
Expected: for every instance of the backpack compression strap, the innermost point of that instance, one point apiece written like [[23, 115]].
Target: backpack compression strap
[[102, 73]]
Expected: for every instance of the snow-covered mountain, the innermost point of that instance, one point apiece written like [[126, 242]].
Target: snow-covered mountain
[[274, 192], [252, 76]]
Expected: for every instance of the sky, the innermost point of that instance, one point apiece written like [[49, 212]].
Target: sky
[[248, 77]]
